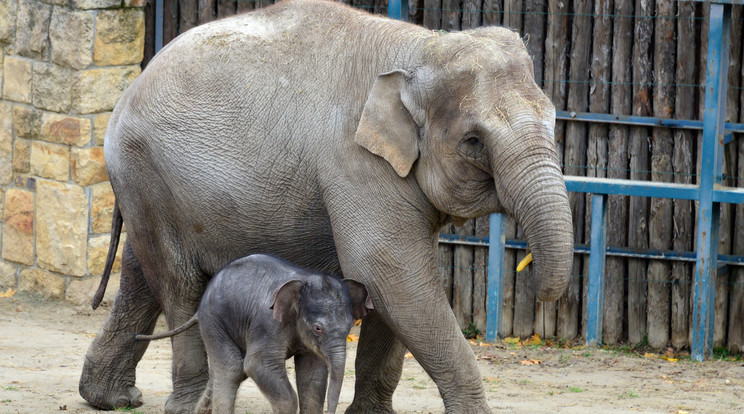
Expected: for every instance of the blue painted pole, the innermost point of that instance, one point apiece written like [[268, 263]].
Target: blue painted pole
[[595, 292], [398, 9], [708, 212], [495, 284], [158, 25]]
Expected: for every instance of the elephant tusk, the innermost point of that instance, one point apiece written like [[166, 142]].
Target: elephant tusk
[[527, 260]]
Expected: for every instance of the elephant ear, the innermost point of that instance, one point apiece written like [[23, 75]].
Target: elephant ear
[[284, 301], [387, 128], [361, 303]]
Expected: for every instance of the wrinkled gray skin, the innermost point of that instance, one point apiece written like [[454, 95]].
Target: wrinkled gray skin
[[341, 142], [259, 311]]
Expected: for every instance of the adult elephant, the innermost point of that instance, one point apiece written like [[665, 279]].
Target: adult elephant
[[340, 141]]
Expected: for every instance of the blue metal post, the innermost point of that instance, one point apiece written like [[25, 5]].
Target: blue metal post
[[595, 293], [708, 212], [398, 9], [495, 285], [158, 25]]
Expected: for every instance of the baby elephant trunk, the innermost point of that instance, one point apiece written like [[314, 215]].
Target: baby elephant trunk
[[336, 366]]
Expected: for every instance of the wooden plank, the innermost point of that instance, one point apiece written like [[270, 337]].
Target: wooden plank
[[480, 276], [510, 264], [416, 12], [535, 27], [170, 25], [725, 245], [246, 5], [597, 142], [662, 148], [638, 154], [207, 11], [524, 297], [492, 12], [683, 169], [736, 293], [226, 8], [462, 277], [617, 164], [451, 15], [433, 14], [513, 15], [189, 14], [445, 263], [575, 157], [471, 14], [149, 48], [556, 63]]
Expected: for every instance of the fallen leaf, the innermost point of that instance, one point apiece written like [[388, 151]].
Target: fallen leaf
[[511, 340], [534, 340], [531, 362], [650, 355], [8, 293], [352, 338], [670, 359], [409, 355]]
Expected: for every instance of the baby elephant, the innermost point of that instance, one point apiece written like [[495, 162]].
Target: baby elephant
[[260, 310]]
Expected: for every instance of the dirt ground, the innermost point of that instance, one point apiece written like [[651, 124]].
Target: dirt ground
[[42, 344]]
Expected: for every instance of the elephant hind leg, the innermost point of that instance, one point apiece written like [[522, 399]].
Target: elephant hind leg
[[379, 365], [108, 376]]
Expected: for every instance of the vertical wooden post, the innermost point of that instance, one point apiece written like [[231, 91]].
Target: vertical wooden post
[[597, 141], [638, 154], [684, 167], [496, 248], [708, 213], [662, 148], [595, 291], [617, 164]]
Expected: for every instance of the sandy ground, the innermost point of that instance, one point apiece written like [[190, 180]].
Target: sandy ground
[[42, 344]]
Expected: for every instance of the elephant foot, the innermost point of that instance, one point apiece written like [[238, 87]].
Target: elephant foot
[[108, 395], [357, 407], [180, 406]]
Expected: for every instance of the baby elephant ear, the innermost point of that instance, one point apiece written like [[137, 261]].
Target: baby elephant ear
[[284, 301], [387, 128], [361, 303]]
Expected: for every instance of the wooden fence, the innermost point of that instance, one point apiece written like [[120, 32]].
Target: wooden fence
[[621, 57]]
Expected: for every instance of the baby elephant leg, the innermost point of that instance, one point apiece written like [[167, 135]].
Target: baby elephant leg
[[312, 379], [270, 375], [225, 373]]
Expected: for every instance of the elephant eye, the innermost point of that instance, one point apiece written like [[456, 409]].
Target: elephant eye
[[317, 329], [474, 142]]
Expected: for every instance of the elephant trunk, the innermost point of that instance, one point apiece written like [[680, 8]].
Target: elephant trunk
[[336, 365], [534, 192]]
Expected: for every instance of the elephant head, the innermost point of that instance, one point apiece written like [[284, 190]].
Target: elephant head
[[323, 310], [469, 122]]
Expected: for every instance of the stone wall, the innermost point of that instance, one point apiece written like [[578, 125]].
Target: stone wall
[[63, 66]]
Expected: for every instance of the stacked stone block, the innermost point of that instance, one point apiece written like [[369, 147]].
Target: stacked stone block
[[63, 66]]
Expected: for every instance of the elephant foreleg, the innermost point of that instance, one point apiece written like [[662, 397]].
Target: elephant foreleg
[[378, 365], [108, 374]]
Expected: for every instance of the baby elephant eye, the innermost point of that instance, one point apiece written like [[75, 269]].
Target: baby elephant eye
[[317, 329]]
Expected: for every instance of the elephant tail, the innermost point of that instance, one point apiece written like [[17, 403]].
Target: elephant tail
[[191, 322], [116, 224]]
